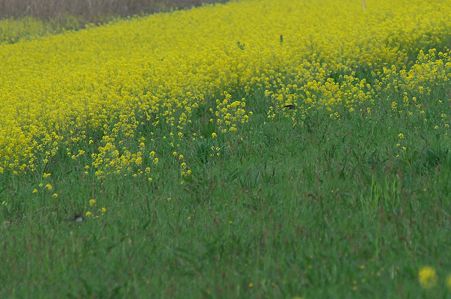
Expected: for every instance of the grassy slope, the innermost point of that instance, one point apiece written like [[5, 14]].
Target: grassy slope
[[326, 210], [43, 18]]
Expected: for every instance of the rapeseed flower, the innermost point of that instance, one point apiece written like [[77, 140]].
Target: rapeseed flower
[[427, 277], [102, 86]]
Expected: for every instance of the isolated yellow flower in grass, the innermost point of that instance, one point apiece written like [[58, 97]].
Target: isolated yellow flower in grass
[[103, 210], [92, 202], [448, 282], [88, 214], [49, 187], [427, 277]]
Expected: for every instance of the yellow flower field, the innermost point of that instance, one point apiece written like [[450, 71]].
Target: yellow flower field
[[59, 92]]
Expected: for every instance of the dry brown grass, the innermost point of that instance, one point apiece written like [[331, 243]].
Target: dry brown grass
[[90, 10]]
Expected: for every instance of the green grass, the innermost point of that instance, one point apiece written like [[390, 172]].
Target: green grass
[[323, 210], [26, 28], [28, 19]]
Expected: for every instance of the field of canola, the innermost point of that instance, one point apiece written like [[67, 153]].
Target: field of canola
[[256, 149], [96, 94]]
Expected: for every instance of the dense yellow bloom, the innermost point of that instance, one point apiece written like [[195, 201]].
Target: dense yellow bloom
[[427, 277], [61, 92]]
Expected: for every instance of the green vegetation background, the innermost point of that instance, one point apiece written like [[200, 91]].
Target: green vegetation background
[[28, 19]]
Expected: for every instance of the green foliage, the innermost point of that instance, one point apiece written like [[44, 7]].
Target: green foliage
[[12, 30], [28, 19]]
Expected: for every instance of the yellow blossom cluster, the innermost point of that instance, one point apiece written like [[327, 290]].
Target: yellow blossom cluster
[[229, 115], [428, 278], [93, 212], [98, 93]]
